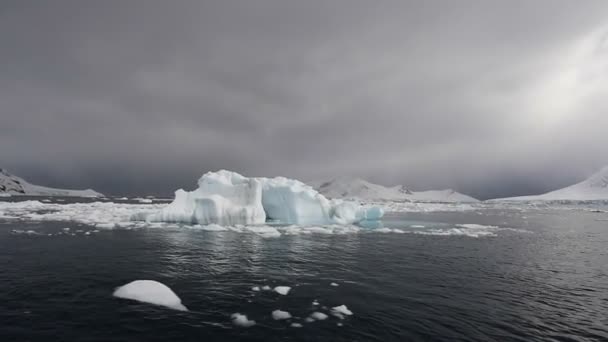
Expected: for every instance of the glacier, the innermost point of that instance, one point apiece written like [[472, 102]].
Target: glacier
[[228, 198]]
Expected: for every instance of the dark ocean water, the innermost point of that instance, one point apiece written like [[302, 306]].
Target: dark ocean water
[[547, 284]]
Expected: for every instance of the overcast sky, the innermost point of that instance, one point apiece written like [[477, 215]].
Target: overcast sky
[[492, 98]]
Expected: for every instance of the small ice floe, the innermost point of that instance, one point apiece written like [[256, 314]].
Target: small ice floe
[[315, 302], [150, 291], [318, 316], [417, 226], [24, 232], [296, 325], [255, 288], [241, 320], [144, 200], [66, 229], [339, 324], [334, 284], [279, 315], [266, 288], [105, 225], [282, 290], [341, 311], [87, 233], [214, 228]]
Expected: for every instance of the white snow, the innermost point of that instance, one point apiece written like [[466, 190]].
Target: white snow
[[282, 290], [278, 315], [150, 291], [241, 320], [13, 185], [356, 188], [318, 316], [594, 188], [228, 198]]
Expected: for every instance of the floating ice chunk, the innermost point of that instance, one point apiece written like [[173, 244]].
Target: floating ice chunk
[[228, 198], [282, 290], [105, 225], [265, 232], [214, 228], [255, 288], [318, 316], [334, 284], [266, 288], [296, 325], [278, 315], [340, 311], [150, 291], [309, 320], [241, 320]]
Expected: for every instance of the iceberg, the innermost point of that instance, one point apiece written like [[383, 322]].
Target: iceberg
[[150, 291], [228, 198]]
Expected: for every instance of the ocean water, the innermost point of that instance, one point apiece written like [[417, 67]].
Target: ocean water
[[492, 274]]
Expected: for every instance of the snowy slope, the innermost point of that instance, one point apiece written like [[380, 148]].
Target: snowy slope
[[13, 185], [345, 187], [361, 189], [592, 189]]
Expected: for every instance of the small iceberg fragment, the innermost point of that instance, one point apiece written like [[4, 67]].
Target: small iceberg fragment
[[279, 315], [296, 325], [334, 284], [282, 290], [241, 320], [318, 316], [255, 288], [150, 291], [341, 311]]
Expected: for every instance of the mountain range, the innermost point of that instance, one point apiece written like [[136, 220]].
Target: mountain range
[[13, 185], [356, 188]]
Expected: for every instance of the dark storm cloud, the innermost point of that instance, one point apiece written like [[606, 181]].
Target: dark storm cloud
[[488, 97]]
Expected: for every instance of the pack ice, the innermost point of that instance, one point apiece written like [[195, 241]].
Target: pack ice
[[228, 198]]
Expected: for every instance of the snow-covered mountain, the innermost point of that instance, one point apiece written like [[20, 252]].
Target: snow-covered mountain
[[592, 189], [357, 188], [13, 185]]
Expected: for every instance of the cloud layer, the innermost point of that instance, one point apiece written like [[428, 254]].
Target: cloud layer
[[492, 98]]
